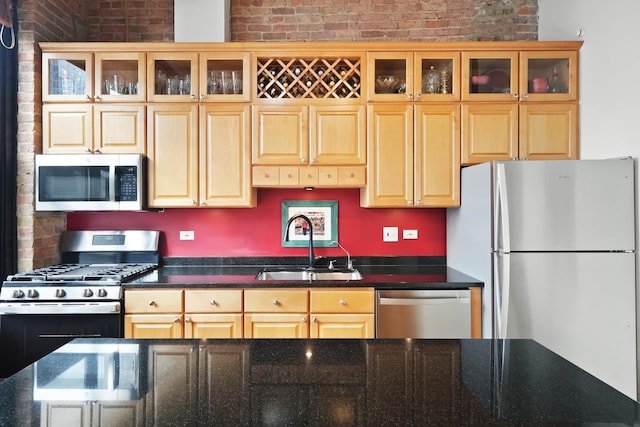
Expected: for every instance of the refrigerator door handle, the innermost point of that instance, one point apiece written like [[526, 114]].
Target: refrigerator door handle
[[502, 238], [502, 283]]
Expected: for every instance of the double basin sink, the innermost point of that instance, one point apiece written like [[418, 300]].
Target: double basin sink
[[308, 275]]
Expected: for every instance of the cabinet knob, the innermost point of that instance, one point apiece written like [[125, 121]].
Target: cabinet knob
[[187, 320], [419, 202], [352, 175], [97, 98], [193, 97], [193, 202], [176, 320], [152, 303], [213, 302], [343, 302], [88, 150], [97, 150], [515, 96], [88, 96], [315, 320], [303, 160], [276, 302], [410, 202], [201, 97], [525, 96], [312, 161], [203, 203], [304, 320], [419, 96], [410, 96]]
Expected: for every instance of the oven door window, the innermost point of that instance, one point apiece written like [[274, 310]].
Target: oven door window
[[74, 183]]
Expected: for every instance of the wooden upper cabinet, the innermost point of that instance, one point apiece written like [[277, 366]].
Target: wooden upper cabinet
[[224, 77], [67, 77], [280, 135], [489, 132], [413, 76], [549, 131], [337, 135], [225, 156], [549, 76], [490, 76], [120, 77], [172, 151], [173, 76]]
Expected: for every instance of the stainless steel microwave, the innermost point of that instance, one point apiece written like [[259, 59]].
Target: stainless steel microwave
[[90, 182]]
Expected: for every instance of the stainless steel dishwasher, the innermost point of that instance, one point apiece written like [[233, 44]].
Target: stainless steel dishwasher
[[423, 314]]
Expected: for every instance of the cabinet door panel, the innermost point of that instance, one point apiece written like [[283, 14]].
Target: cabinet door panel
[[342, 326], [274, 325], [213, 325], [437, 155], [390, 156], [549, 131], [153, 326], [119, 129], [280, 135], [338, 135], [67, 128], [172, 150], [225, 156], [489, 132]]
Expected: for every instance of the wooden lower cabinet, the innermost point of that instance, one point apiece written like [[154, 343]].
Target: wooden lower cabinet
[[276, 325], [340, 313], [159, 313]]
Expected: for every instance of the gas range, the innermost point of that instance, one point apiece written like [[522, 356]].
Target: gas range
[[95, 264]]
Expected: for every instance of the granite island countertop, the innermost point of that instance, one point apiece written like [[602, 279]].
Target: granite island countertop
[[375, 273], [309, 382]]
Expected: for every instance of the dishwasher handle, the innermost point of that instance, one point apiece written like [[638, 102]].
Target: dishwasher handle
[[424, 297]]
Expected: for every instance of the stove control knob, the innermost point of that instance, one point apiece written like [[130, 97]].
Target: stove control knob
[[18, 293], [87, 293], [102, 293], [32, 293], [61, 293]]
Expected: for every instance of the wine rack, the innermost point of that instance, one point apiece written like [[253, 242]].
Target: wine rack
[[284, 78]]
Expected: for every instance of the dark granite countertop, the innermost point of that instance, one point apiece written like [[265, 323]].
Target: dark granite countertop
[[309, 382], [378, 272]]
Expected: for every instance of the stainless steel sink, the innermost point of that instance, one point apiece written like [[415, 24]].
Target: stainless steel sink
[[309, 275]]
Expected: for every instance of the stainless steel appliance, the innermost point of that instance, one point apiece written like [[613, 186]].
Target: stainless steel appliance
[[423, 313], [554, 242], [42, 309], [90, 182]]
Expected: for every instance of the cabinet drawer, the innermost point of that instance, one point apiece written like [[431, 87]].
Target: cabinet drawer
[[342, 301], [275, 300], [265, 176], [352, 176], [153, 301], [213, 300]]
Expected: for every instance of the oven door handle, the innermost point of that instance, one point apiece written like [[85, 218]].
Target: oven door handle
[[109, 307], [69, 336]]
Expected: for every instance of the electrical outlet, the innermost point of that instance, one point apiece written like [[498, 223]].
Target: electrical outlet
[[389, 234], [187, 235], [409, 234]]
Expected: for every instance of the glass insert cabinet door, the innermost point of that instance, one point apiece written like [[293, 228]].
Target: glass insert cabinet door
[[224, 77], [413, 76], [120, 76], [549, 76], [490, 76], [172, 77], [67, 77]]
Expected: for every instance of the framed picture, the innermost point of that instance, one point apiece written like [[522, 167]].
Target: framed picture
[[324, 218]]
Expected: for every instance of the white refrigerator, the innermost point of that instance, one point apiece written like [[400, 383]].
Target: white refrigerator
[[554, 243]]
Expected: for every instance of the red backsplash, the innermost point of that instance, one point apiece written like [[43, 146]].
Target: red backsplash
[[258, 231]]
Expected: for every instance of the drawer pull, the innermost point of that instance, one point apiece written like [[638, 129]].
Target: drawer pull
[[152, 303], [276, 302], [343, 302], [213, 302]]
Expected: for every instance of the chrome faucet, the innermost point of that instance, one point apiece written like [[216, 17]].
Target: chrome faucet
[[308, 221], [349, 264]]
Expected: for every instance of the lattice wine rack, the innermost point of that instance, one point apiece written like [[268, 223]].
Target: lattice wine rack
[[308, 78]]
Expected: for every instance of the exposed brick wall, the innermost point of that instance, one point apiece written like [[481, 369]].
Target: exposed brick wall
[[251, 20], [131, 20], [39, 20], [312, 20]]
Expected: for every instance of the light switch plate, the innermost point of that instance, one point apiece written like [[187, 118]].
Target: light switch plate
[[409, 234], [187, 235], [389, 234]]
